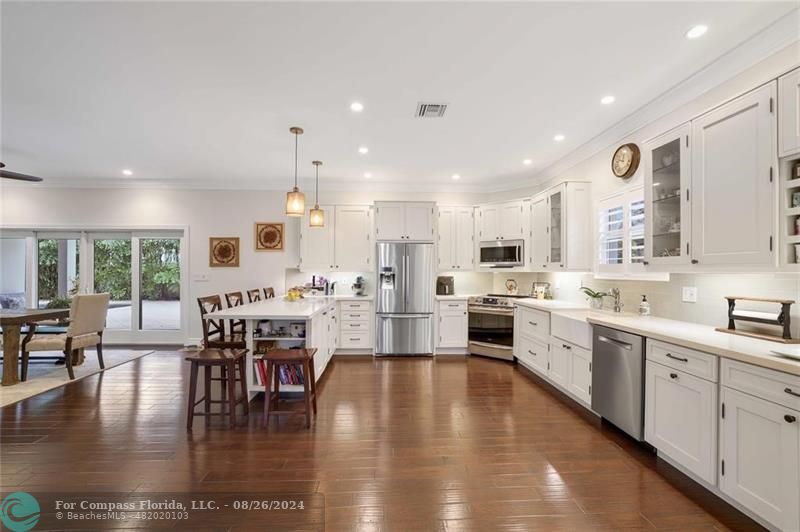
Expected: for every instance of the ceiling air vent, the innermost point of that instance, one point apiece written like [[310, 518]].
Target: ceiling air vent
[[431, 110]]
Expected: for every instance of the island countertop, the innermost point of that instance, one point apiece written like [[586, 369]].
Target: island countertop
[[276, 308]]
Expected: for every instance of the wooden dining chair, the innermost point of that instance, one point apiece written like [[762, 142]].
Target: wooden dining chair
[[214, 329], [269, 293], [254, 295], [236, 299]]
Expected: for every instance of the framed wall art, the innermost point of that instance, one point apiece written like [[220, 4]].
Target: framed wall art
[[223, 251], [269, 236]]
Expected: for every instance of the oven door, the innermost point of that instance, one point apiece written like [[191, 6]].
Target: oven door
[[491, 326], [502, 254]]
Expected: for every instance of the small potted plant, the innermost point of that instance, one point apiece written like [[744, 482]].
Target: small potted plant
[[595, 298]]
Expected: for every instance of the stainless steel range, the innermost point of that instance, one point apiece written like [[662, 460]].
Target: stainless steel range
[[491, 326]]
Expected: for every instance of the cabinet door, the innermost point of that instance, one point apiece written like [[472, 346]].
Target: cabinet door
[[317, 243], [464, 239], [558, 364], [489, 223], [419, 221], [733, 152], [319, 339], [353, 249], [556, 231], [789, 113], [390, 221], [540, 242], [453, 329], [579, 378], [510, 215], [760, 453], [680, 418], [667, 180], [447, 242]]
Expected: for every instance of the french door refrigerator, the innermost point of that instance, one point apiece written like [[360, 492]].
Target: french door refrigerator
[[404, 299]]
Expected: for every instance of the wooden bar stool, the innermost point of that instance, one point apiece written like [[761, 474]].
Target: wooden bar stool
[[229, 361], [284, 357]]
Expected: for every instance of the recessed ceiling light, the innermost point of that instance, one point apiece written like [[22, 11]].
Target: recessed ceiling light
[[456, 177], [127, 172], [367, 175], [607, 100], [697, 31], [357, 107], [363, 149], [559, 137], [527, 162]]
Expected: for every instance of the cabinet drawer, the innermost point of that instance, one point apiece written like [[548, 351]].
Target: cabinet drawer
[[355, 340], [532, 353], [534, 323], [693, 362], [775, 386], [452, 306], [354, 315], [354, 326], [355, 305]]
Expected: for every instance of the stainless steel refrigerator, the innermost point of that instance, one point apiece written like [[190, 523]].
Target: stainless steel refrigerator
[[404, 299]]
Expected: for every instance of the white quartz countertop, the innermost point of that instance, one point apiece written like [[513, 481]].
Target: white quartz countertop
[[277, 308], [549, 304], [343, 297], [454, 297], [694, 336]]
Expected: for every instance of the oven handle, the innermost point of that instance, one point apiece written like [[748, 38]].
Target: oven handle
[[491, 311]]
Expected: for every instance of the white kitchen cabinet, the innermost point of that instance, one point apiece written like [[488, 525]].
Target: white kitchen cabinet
[[562, 228], [408, 221], [667, 183], [453, 324], [342, 244], [734, 178], [789, 113], [680, 418], [558, 362], [356, 320], [760, 457], [456, 250], [579, 374], [503, 221], [531, 353], [317, 246], [353, 238]]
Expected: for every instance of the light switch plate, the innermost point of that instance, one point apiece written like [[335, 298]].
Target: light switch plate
[[200, 277], [690, 294]]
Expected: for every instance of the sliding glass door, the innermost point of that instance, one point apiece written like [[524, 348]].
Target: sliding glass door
[[58, 267], [112, 273], [159, 284]]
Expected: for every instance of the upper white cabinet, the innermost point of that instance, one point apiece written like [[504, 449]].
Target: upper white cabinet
[[409, 221], [734, 182], [343, 244], [503, 221], [456, 238], [561, 228], [789, 113], [667, 176]]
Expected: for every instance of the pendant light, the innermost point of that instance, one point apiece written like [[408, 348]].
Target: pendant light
[[316, 216], [295, 200]]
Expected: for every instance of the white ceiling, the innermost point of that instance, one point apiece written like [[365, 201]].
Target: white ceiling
[[204, 93]]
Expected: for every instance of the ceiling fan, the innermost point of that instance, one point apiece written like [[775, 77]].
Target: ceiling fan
[[15, 175]]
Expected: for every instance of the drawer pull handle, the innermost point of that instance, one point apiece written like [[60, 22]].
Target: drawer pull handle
[[673, 357], [673, 375], [531, 352], [789, 419], [565, 346], [533, 323], [453, 305], [355, 315], [790, 392], [354, 339]]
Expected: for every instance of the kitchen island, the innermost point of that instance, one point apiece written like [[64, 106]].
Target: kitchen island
[[308, 322]]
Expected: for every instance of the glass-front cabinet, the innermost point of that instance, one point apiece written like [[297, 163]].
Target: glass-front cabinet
[[555, 201], [667, 209]]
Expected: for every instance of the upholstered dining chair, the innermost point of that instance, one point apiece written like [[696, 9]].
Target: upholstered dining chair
[[269, 292], [253, 295], [87, 320]]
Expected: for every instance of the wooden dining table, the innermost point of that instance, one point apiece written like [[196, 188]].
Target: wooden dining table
[[12, 321]]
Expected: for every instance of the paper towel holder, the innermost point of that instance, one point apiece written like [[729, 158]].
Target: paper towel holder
[[782, 319]]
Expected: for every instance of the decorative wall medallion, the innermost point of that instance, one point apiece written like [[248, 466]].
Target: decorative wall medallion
[[269, 236], [223, 251]]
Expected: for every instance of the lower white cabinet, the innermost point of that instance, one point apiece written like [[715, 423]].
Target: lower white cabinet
[[355, 320], [579, 374], [531, 353], [680, 418], [760, 457], [453, 324], [558, 362]]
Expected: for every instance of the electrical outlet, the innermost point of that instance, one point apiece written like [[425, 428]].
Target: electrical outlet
[[690, 294]]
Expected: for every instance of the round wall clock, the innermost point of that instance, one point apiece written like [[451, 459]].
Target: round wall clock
[[625, 160]]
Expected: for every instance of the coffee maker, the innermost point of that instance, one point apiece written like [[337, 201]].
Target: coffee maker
[[445, 286]]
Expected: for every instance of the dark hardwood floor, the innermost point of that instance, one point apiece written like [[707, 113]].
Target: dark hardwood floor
[[398, 444]]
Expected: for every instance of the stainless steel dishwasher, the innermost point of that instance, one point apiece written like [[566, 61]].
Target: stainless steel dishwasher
[[618, 379]]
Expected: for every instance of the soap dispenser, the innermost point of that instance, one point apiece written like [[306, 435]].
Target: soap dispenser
[[644, 307]]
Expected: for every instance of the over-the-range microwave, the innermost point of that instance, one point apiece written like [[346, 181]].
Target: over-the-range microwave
[[502, 253]]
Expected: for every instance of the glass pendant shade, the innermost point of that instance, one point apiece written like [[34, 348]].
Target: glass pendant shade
[[295, 203], [316, 217]]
